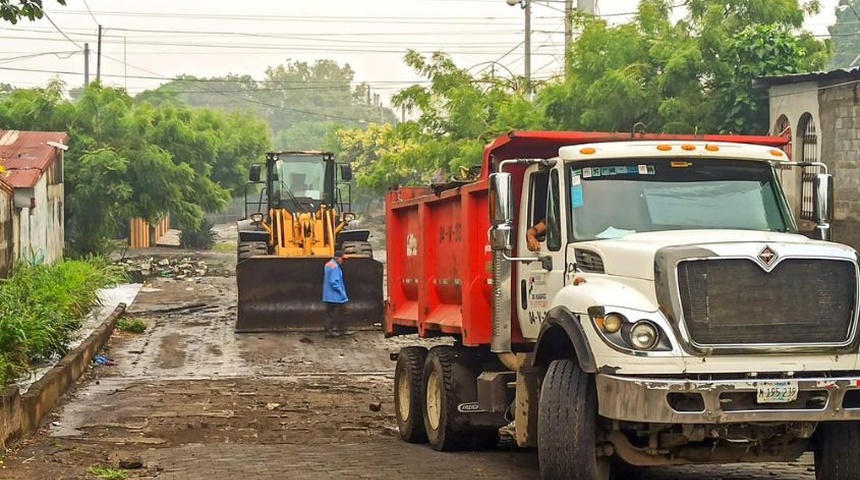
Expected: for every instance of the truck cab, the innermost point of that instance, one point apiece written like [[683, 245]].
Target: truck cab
[[671, 314]]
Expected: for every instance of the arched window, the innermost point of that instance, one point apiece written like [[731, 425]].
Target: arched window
[[808, 142]]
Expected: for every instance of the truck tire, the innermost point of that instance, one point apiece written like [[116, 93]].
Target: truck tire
[[357, 248], [836, 453], [409, 394], [450, 379], [567, 420], [247, 250]]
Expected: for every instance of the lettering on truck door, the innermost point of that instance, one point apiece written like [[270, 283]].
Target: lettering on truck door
[[536, 285]]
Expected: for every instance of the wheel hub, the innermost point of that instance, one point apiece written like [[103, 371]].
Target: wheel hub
[[434, 401], [404, 397]]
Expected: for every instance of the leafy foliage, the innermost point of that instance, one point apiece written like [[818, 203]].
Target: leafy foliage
[[42, 306], [14, 10], [199, 238], [303, 103], [133, 159], [846, 35]]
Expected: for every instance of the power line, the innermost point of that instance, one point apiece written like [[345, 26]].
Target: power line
[[91, 12], [61, 32]]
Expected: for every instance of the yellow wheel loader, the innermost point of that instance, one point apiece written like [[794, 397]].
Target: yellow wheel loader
[[299, 221]]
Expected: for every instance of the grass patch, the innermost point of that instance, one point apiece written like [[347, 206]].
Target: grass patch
[[106, 473], [225, 247], [42, 306], [131, 326]]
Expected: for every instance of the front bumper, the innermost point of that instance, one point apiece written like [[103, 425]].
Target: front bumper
[[674, 401]]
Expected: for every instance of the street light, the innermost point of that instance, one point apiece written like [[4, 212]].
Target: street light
[[526, 5]]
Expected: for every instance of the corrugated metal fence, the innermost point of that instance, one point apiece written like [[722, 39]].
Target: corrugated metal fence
[[139, 232]]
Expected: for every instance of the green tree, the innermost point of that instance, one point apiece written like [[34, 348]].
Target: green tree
[[133, 159], [695, 74], [846, 35], [12, 11]]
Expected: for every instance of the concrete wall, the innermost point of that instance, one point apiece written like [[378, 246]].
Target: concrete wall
[[793, 101], [42, 228], [7, 233], [840, 139]]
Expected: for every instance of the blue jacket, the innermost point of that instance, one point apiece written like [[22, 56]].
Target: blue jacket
[[334, 291]]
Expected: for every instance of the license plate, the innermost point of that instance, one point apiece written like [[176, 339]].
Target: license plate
[[777, 392]]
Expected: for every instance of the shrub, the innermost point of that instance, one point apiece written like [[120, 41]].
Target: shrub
[[202, 238], [41, 307]]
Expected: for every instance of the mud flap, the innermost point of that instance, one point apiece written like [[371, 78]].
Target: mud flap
[[282, 294]]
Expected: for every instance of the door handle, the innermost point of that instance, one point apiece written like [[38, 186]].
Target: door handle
[[523, 294]]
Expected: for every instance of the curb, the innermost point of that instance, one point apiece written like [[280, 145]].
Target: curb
[[22, 414]]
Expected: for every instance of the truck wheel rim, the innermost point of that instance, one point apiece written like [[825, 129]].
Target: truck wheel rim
[[434, 405], [404, 397]]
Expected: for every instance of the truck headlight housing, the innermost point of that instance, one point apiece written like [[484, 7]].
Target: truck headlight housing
[[638, 337], [643, 335], [257, 217]]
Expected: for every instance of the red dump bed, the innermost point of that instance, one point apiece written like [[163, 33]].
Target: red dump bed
[[439, 258]]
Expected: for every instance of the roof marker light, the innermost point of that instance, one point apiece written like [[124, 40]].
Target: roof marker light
[[664, 148], [712, 148], [777, 153], [688, 147], [587, 151]]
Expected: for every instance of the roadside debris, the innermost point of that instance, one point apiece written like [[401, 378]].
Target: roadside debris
[[183, 268], [101, 360]]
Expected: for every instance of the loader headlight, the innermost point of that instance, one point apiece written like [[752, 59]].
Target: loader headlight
[[257, 217], [643, 335]]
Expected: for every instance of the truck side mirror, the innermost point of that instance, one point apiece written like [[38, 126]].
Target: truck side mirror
[[501, 199], [254, 174], [345, 172], [822, 204]]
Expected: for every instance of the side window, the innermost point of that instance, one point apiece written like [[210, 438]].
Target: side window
[[537, 198], [553, 214]]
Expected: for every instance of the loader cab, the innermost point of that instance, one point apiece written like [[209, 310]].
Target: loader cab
[[300, 181]]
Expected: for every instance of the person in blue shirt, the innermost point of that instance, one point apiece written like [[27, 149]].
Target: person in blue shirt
[[334, 296]]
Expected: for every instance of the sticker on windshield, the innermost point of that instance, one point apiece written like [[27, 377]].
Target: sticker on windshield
[[643, 169], [650, 169], [586, 172], [632, 170], [606, 171], [595, 172], [621, 170], [576, 198]]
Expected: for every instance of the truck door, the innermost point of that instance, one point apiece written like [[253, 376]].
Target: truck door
[[537, 285]]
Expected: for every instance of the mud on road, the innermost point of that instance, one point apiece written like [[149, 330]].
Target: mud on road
[[189, 399]]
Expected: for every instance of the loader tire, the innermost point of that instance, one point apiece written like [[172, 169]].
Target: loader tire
[[567, 423], [450, 379], [247, 250], [409, 394], [836, 453], [357, 248]]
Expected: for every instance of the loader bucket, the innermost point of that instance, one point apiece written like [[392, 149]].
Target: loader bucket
[[282, 294]]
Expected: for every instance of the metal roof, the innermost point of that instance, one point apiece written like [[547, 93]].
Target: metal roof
[[835, 76], [26, 155]]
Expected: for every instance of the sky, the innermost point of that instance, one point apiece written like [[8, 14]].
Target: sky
[[147, 43]]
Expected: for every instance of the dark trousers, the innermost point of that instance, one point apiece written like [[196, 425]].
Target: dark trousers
[[334, 313]]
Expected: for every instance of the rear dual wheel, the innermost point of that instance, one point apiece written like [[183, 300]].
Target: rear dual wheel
[[450, 380], [409, 394]]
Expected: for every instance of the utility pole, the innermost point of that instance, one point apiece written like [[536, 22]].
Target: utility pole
[[99, 58], [568, 35], [587, 6], [86, 65], [527, 44]]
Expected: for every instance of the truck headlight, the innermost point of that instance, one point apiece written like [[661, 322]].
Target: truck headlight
[[643, 335], [612, 323], [257, 217]]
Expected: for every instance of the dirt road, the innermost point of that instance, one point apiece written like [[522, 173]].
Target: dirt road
[[191, 400]]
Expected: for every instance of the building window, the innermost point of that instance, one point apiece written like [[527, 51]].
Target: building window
[[808, 140]]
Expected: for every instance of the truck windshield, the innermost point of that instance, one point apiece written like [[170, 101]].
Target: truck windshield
[[614, 198], [299, 175]]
